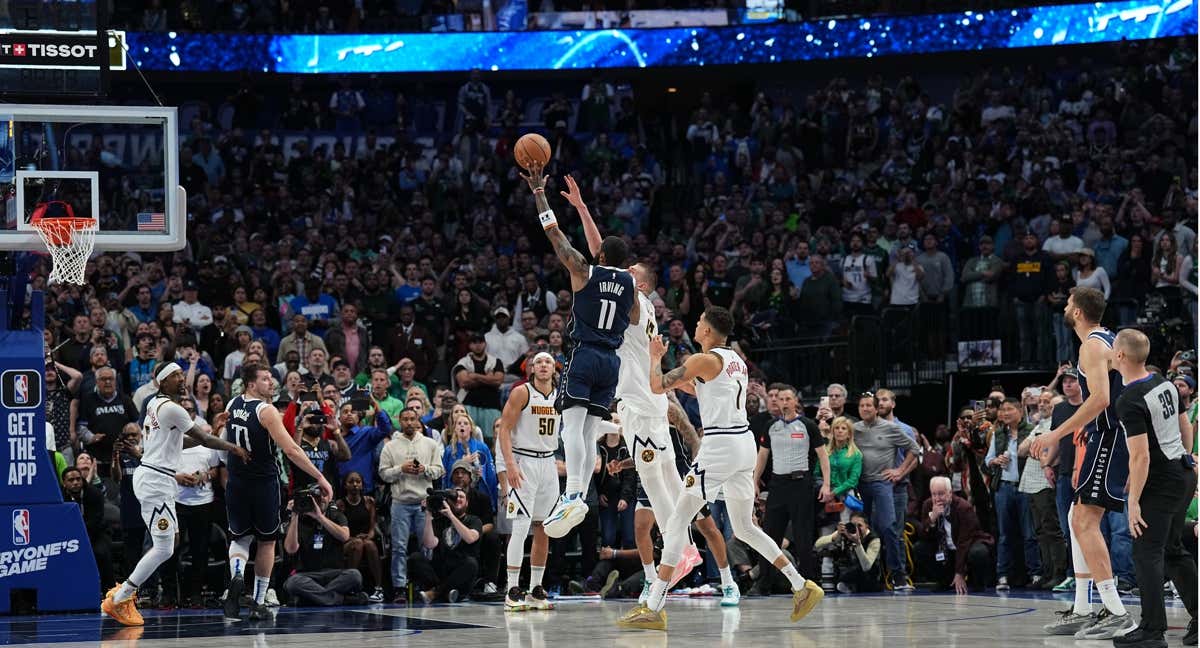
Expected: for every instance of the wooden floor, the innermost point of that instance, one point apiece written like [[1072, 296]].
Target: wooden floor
[[886, 620]]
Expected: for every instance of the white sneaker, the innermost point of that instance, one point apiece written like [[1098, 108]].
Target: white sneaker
[[271, 600], [376, 596], [567, 514], [730, 596], [1002, 584], [489, 588]]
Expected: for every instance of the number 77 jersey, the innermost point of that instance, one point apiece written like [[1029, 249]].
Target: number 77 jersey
[[245, 429], [600, 310]]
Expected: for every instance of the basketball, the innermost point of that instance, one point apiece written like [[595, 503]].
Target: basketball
[[531, 148]]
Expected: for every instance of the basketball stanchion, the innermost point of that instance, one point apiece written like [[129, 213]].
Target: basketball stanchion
[[47, 549]]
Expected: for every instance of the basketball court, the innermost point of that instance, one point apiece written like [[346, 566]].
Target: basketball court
[[858, 620]]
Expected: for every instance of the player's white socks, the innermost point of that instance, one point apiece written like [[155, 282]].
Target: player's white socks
[[658, 595], [239, 555], [514, 577], [535, 575], [1110, 597], [1083, 596], [261, 584], [579, 448], [793, 577], [650, 572], [160, 551], [726, 576]]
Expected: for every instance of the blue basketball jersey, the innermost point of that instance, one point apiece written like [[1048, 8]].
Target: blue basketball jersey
[[600, 310], [1107, 421], [244, 429]]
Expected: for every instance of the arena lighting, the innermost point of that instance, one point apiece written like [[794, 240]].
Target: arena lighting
[[612, 48]]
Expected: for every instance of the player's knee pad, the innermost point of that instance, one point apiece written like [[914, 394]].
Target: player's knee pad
[[241, 546]]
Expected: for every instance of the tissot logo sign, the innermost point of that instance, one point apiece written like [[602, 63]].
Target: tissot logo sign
[[55, 50]]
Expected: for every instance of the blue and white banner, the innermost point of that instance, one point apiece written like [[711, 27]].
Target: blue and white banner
[[693, 46]]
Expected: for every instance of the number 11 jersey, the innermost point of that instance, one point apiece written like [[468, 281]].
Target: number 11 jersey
[[600, 310], [244, 429]]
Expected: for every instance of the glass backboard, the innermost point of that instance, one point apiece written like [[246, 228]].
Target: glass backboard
[[117, 164]]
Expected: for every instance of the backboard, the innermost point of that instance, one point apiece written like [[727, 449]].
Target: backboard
[[117, 164]]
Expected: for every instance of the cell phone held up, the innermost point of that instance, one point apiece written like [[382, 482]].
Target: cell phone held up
[[360, 401]]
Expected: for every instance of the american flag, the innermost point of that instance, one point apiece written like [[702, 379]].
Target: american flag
[[155, 222]]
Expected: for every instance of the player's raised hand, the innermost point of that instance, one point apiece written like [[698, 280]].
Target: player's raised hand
[[535, 179], [657, 348], [219, 420], [572, 194]]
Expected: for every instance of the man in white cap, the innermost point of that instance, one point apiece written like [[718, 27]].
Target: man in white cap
[[163, 432]]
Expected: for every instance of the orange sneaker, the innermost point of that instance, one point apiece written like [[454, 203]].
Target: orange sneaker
[[125, 612]]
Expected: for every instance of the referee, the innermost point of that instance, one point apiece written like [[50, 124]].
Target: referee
[[1161, 483], [791, 442]]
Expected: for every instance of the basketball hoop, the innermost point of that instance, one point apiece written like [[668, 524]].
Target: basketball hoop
[[70, 242]]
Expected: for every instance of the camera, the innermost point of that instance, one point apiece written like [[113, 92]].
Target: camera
[[437, 499], [305, 499], [309, 396]]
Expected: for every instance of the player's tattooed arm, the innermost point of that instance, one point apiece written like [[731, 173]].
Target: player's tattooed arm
[[678, 418], [668, 380], [567, 254]]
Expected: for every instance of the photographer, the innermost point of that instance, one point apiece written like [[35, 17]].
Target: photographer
[[854, 549], [452, 534], [313, 426], [315, 536]]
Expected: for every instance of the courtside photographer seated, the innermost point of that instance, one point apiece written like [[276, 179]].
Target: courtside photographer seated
[[447, 567], [854, 548], [316, 535]]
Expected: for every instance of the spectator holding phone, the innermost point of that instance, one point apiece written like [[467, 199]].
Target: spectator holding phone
[[464, 446], [314, 426], [361, 432], [411, 463]]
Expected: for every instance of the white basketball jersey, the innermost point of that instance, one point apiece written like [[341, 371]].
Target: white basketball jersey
[[633, 382], [537, 427], [723, 399], [162, 433]]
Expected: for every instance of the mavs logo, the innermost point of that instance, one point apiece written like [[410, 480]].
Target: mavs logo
[[20, 521], [21, 389]]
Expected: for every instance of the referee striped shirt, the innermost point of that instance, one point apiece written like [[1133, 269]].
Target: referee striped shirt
[[790, 443]]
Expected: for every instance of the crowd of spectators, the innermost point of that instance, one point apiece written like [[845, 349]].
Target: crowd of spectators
[[397, 296]]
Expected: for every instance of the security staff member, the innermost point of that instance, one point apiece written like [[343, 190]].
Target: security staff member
[[791, 443]]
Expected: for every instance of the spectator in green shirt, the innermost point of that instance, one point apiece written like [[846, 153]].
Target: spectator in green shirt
[[845, 466], [379, 391]]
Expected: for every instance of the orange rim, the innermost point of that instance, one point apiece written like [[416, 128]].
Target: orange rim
[[58, 231]]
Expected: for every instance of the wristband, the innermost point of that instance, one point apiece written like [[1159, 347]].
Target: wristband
[[547, 219]]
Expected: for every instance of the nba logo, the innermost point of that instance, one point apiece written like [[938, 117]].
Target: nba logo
[[21, 389], [20, 527]]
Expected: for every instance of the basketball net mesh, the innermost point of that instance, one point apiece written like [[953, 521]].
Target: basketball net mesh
[[70, 242]]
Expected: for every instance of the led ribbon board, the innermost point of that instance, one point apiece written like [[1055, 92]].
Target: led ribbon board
[[698, 46]]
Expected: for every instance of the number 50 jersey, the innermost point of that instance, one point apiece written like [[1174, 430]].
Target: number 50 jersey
[[537, 428], [244, 429], [600, 310]]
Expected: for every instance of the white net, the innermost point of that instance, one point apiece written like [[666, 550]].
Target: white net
[[70, 242]]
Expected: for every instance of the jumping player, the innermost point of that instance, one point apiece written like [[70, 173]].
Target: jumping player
[[1102, 477], [154, 484], [643, 414], [604, 303], [532, 475], [725, 463], [252, 492]]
